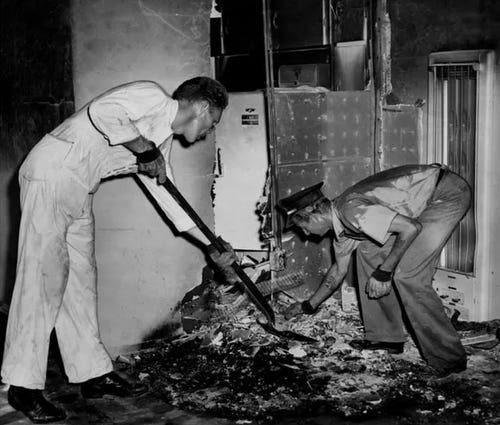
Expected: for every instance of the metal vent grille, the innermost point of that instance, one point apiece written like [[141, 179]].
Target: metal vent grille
[[455, 108]]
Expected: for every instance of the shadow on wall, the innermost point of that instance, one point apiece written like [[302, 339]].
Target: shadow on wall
[[14, 218], [37, 94]]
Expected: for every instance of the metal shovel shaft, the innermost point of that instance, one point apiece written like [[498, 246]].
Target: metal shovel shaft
[[251, 290]]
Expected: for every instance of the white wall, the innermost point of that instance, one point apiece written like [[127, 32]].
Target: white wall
[[494, 157], [144, 268]]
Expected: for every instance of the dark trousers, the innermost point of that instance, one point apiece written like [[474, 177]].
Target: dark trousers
[[412, 291]]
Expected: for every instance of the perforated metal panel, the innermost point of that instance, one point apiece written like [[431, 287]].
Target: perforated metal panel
[[325, 137], [350, 125], [401, 136], [301, 126]]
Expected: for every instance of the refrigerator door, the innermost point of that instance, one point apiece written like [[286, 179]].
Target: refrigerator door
[[240, 170]]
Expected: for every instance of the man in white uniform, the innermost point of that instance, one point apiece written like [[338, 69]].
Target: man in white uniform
[[128, 129]]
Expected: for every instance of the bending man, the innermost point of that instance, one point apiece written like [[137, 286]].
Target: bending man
[[397, 221]]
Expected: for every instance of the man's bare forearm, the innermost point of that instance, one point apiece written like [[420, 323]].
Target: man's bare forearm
[[398, 249], [329, 285], [406, 230]]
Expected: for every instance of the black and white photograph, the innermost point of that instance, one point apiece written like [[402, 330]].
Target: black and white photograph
[[250, 212]]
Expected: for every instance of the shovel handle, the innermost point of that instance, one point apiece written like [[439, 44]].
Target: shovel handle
[[251, 290], [186, 206]]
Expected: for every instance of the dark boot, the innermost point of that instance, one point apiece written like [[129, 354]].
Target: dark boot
[[444, 371], [390, 347], [111, 384], [34, 405]]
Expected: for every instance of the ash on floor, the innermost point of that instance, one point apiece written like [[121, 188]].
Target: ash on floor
[[234, 369]]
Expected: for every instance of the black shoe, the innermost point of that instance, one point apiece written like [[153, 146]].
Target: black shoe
[[111, 384], [390, 347], [34, 405], [442, 372]]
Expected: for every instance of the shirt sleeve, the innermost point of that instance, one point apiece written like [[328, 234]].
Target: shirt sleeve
[[179, 218], [371, 218], [344, 247], [119, 113]]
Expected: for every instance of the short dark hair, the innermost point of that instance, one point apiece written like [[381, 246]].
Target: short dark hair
[[202, 88]]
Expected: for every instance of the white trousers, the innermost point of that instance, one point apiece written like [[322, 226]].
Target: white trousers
[[55, 284]]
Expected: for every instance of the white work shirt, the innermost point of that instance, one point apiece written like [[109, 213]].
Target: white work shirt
[[118, 116]]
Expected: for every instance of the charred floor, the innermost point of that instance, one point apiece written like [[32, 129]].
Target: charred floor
[[224, 368]]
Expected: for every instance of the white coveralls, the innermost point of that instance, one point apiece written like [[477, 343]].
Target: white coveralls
[[56, 269]]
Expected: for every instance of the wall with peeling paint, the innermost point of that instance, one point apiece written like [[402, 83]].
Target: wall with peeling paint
[[144, 266], [420, 27]]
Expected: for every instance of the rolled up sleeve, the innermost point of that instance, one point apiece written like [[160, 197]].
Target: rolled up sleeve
[[167, 203]]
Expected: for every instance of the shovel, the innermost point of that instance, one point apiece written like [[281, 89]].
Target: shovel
[[250, 289]]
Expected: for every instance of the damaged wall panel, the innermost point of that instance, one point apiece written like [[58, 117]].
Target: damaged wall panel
[[320, 136]]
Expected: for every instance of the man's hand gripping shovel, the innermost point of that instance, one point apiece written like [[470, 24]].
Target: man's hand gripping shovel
[[250, 289]]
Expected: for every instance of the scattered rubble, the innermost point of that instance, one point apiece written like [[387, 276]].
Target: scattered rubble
[[232, 368]]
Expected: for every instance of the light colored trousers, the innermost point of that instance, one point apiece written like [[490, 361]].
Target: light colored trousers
[[56, 277], [413, 295]]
